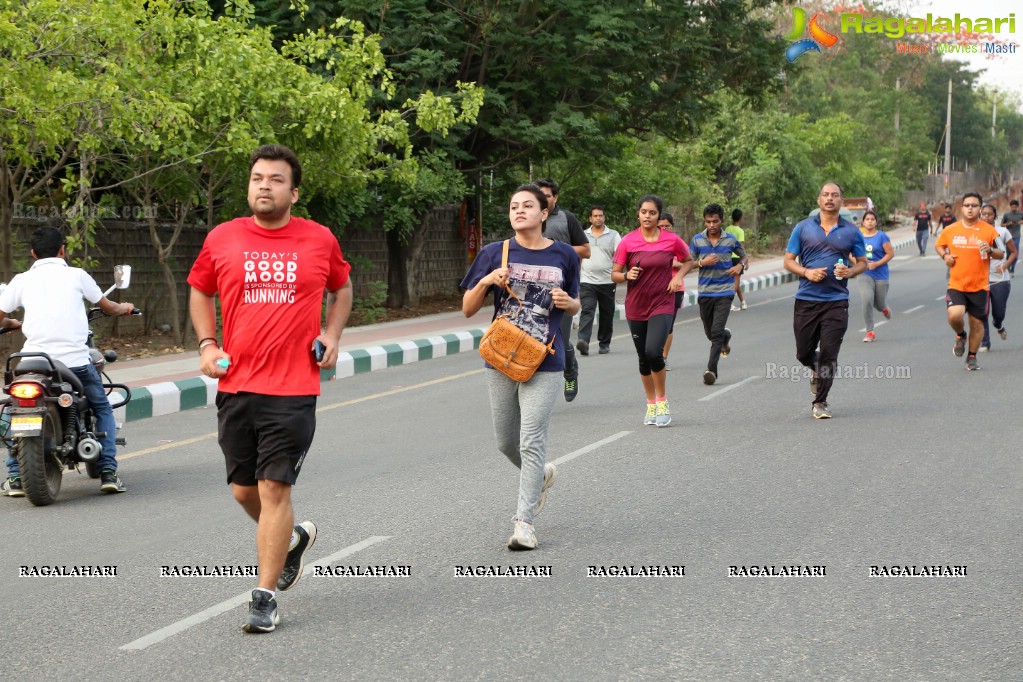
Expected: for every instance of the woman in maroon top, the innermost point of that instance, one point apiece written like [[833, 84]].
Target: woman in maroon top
[[644, 260]]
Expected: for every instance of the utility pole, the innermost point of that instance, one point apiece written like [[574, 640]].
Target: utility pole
[[994, 113], [948, 135], [897, 83]]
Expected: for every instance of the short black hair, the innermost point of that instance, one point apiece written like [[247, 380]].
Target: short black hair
[[278, 152], [594, 208], [667, 216], [714, 209], [841, 191], [736, 214], [1013, 203], [980, 199], [46, 242], [549, 184]]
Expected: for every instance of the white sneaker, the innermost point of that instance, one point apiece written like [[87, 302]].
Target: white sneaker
[[651, 415], [550, 474], [744, 306], [735, 307], [524, 536]]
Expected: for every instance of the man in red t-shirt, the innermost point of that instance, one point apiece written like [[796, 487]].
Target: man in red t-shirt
[[270, 271]]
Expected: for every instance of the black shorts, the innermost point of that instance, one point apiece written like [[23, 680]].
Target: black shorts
[[264, 437], [975, 302]]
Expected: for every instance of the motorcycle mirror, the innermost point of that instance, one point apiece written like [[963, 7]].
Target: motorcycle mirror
[[122, 276]]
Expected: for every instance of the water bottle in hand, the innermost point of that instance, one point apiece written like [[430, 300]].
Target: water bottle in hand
[[840, 262]]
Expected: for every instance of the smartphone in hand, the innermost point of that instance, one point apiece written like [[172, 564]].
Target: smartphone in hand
[[318, 350]]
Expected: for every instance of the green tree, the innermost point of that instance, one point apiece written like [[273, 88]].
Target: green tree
[[64, 67]]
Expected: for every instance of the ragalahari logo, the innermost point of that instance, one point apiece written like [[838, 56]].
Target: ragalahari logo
[[818, 36]]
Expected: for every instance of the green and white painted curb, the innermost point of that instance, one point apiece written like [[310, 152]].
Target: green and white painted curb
[[200, 391]]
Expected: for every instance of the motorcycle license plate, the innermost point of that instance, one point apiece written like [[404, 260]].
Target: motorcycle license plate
[[31, 425]]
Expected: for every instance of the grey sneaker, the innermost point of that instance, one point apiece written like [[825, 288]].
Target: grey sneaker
[[550, 475], [821, 411], [663, 415], [583, 347], [524, 536], [709, 377], [971, 363], [12, 487], [294, 563], [651, 415], [1002, 333], [960, 346], [813, 383], [263, 616], [109, 482]]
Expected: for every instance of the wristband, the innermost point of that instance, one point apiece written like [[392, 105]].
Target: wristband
[[209, 341]]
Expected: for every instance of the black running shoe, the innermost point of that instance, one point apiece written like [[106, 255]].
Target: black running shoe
[[109, 482], [583, 347], [263, 616], [571, 389], [295, 562]]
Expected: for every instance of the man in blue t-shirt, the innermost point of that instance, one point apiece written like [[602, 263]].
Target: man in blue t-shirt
[[825, 244], [712, 253]]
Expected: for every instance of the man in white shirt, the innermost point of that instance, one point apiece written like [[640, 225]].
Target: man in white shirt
[[55, 323], [596, 289]]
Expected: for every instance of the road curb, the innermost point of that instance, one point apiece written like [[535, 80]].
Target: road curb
[[200, 391]]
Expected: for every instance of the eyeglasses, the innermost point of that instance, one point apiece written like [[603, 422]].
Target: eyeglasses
[[971, 205]]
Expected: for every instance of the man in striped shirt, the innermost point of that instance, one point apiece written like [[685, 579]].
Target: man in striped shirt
[[712, 252]]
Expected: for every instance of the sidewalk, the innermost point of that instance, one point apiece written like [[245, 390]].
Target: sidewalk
[[172, 383]]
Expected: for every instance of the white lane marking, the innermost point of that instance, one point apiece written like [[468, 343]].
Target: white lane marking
[[913, 310], [940, 298], [726, 389], [902, 257], [876, 325], [234, 602], [591, 447]]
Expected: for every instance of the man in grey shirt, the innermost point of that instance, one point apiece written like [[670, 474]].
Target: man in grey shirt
[[596, 289], [563, 226]]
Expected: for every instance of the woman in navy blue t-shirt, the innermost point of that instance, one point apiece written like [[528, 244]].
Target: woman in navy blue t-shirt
[[544, 274]]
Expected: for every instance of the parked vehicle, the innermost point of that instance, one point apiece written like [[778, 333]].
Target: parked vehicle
[[51, 424]]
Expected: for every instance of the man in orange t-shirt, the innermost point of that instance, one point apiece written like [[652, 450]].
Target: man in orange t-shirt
[[966, 247]]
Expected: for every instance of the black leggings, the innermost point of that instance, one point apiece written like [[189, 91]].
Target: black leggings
[[649, 337]]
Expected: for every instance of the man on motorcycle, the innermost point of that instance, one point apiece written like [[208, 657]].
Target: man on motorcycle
[[55, 323]]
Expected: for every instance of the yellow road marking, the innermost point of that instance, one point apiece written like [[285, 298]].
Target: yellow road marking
[[346, 403]]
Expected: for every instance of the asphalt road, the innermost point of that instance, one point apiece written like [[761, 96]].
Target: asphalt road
[[919, 467]]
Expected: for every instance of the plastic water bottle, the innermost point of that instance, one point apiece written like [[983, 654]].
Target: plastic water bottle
[[223, 363], [840, 262]]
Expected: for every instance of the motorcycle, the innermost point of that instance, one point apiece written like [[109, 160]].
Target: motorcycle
[[51, 424]]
